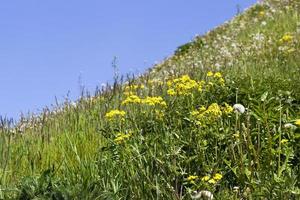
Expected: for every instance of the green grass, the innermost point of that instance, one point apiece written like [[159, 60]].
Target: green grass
[[72, 151]]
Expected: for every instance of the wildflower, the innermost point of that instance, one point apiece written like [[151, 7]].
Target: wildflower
[[171, 92], [222, 81], [227, 109], [284, 141], [214, 110], [205, 178], [152, 101], [204, 194], [261, 13], [205, 116], [115, 113], [236, 136], [132, 99], [239, 108], [297, 122], [181, 86], [286, 38], [236, 189], [218, 75], [289, 126], [192, 178], [263, 23], [121, 137], [209, 74], [200, 85], [212, 181], [217, 177]]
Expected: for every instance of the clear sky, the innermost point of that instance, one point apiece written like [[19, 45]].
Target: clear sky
[[45, 46]]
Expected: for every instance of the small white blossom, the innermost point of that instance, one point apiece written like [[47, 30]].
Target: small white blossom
[[263, 23], [239, 108], [236, 189], [289, 126]]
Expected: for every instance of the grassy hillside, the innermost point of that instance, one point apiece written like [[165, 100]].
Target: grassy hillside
[[177, 129]]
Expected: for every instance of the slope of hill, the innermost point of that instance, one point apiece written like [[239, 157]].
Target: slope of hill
[[221, 115]]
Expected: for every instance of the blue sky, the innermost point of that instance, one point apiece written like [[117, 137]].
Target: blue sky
[[45, 46]]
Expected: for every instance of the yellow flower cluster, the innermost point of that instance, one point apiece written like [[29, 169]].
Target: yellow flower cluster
[[212, 180], [191, 179], [205, 116], [227, 109], [286, 38], [152, 101], [115, 113], [132, 99], [217, 76], [121, 137], [183, 86]]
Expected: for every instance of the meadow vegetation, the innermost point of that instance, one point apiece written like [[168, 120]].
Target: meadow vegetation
[[220, 115]]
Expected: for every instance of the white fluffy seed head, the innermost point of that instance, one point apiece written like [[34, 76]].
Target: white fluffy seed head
[[239, 108], [204, 194]]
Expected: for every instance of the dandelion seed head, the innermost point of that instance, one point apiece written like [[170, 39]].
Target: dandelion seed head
[[204, 194], [239, 108]]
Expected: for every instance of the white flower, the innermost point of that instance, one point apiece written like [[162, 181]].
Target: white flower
[[204, 194], [236, 189], [290, 126], [239, 108], [73, 104]]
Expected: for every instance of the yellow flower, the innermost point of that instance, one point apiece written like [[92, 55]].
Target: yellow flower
[[209, 74], [115, 113], [286, 38], [284, 141], [120, 137], [207, 116], [212, 181], [152, 101], [217, 177], [214, 110], [261, 13], [195, 113], [191, 178], [297, 122], [132, 99], [236, 136], [222, 81], [218, 75], [205, 178], [200, 85], [171, 92], [227, 109], [182, 86]]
